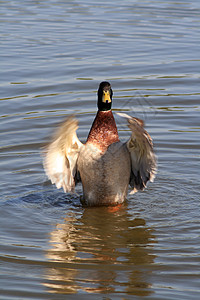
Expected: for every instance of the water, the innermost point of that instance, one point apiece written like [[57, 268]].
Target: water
[[53, 56]]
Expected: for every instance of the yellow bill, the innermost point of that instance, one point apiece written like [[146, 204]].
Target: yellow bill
[[106, 97]]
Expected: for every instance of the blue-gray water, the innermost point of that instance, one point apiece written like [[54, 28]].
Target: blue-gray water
[[53, 56]]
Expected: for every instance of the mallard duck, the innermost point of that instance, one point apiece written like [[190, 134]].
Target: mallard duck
[[104, 165]]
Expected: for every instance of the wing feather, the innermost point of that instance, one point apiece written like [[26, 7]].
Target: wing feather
[[60, 155], [143, 159]]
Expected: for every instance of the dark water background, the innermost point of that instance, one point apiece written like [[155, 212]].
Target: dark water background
[[53, 56]]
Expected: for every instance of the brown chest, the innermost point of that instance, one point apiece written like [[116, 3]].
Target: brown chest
[[103, 132]]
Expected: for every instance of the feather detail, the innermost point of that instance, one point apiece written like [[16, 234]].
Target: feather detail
[[60, 156], [143, 159]]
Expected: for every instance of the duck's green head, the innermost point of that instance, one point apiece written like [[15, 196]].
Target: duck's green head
[[104, 96]]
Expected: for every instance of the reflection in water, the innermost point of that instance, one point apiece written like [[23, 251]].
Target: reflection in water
[[101, 251]]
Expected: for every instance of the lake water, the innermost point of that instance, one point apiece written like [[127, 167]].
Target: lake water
[[53, 55]]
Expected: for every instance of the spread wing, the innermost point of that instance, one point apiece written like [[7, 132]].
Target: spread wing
[[143, 159], [60, 155]]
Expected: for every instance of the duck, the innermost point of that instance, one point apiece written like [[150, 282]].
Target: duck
[[106, 167]]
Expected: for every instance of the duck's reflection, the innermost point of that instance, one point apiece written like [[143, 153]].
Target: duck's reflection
[[101, 251]]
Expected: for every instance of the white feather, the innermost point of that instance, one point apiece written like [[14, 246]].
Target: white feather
[[60, 156]]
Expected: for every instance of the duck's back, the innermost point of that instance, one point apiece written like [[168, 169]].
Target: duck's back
[[105, 177]]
